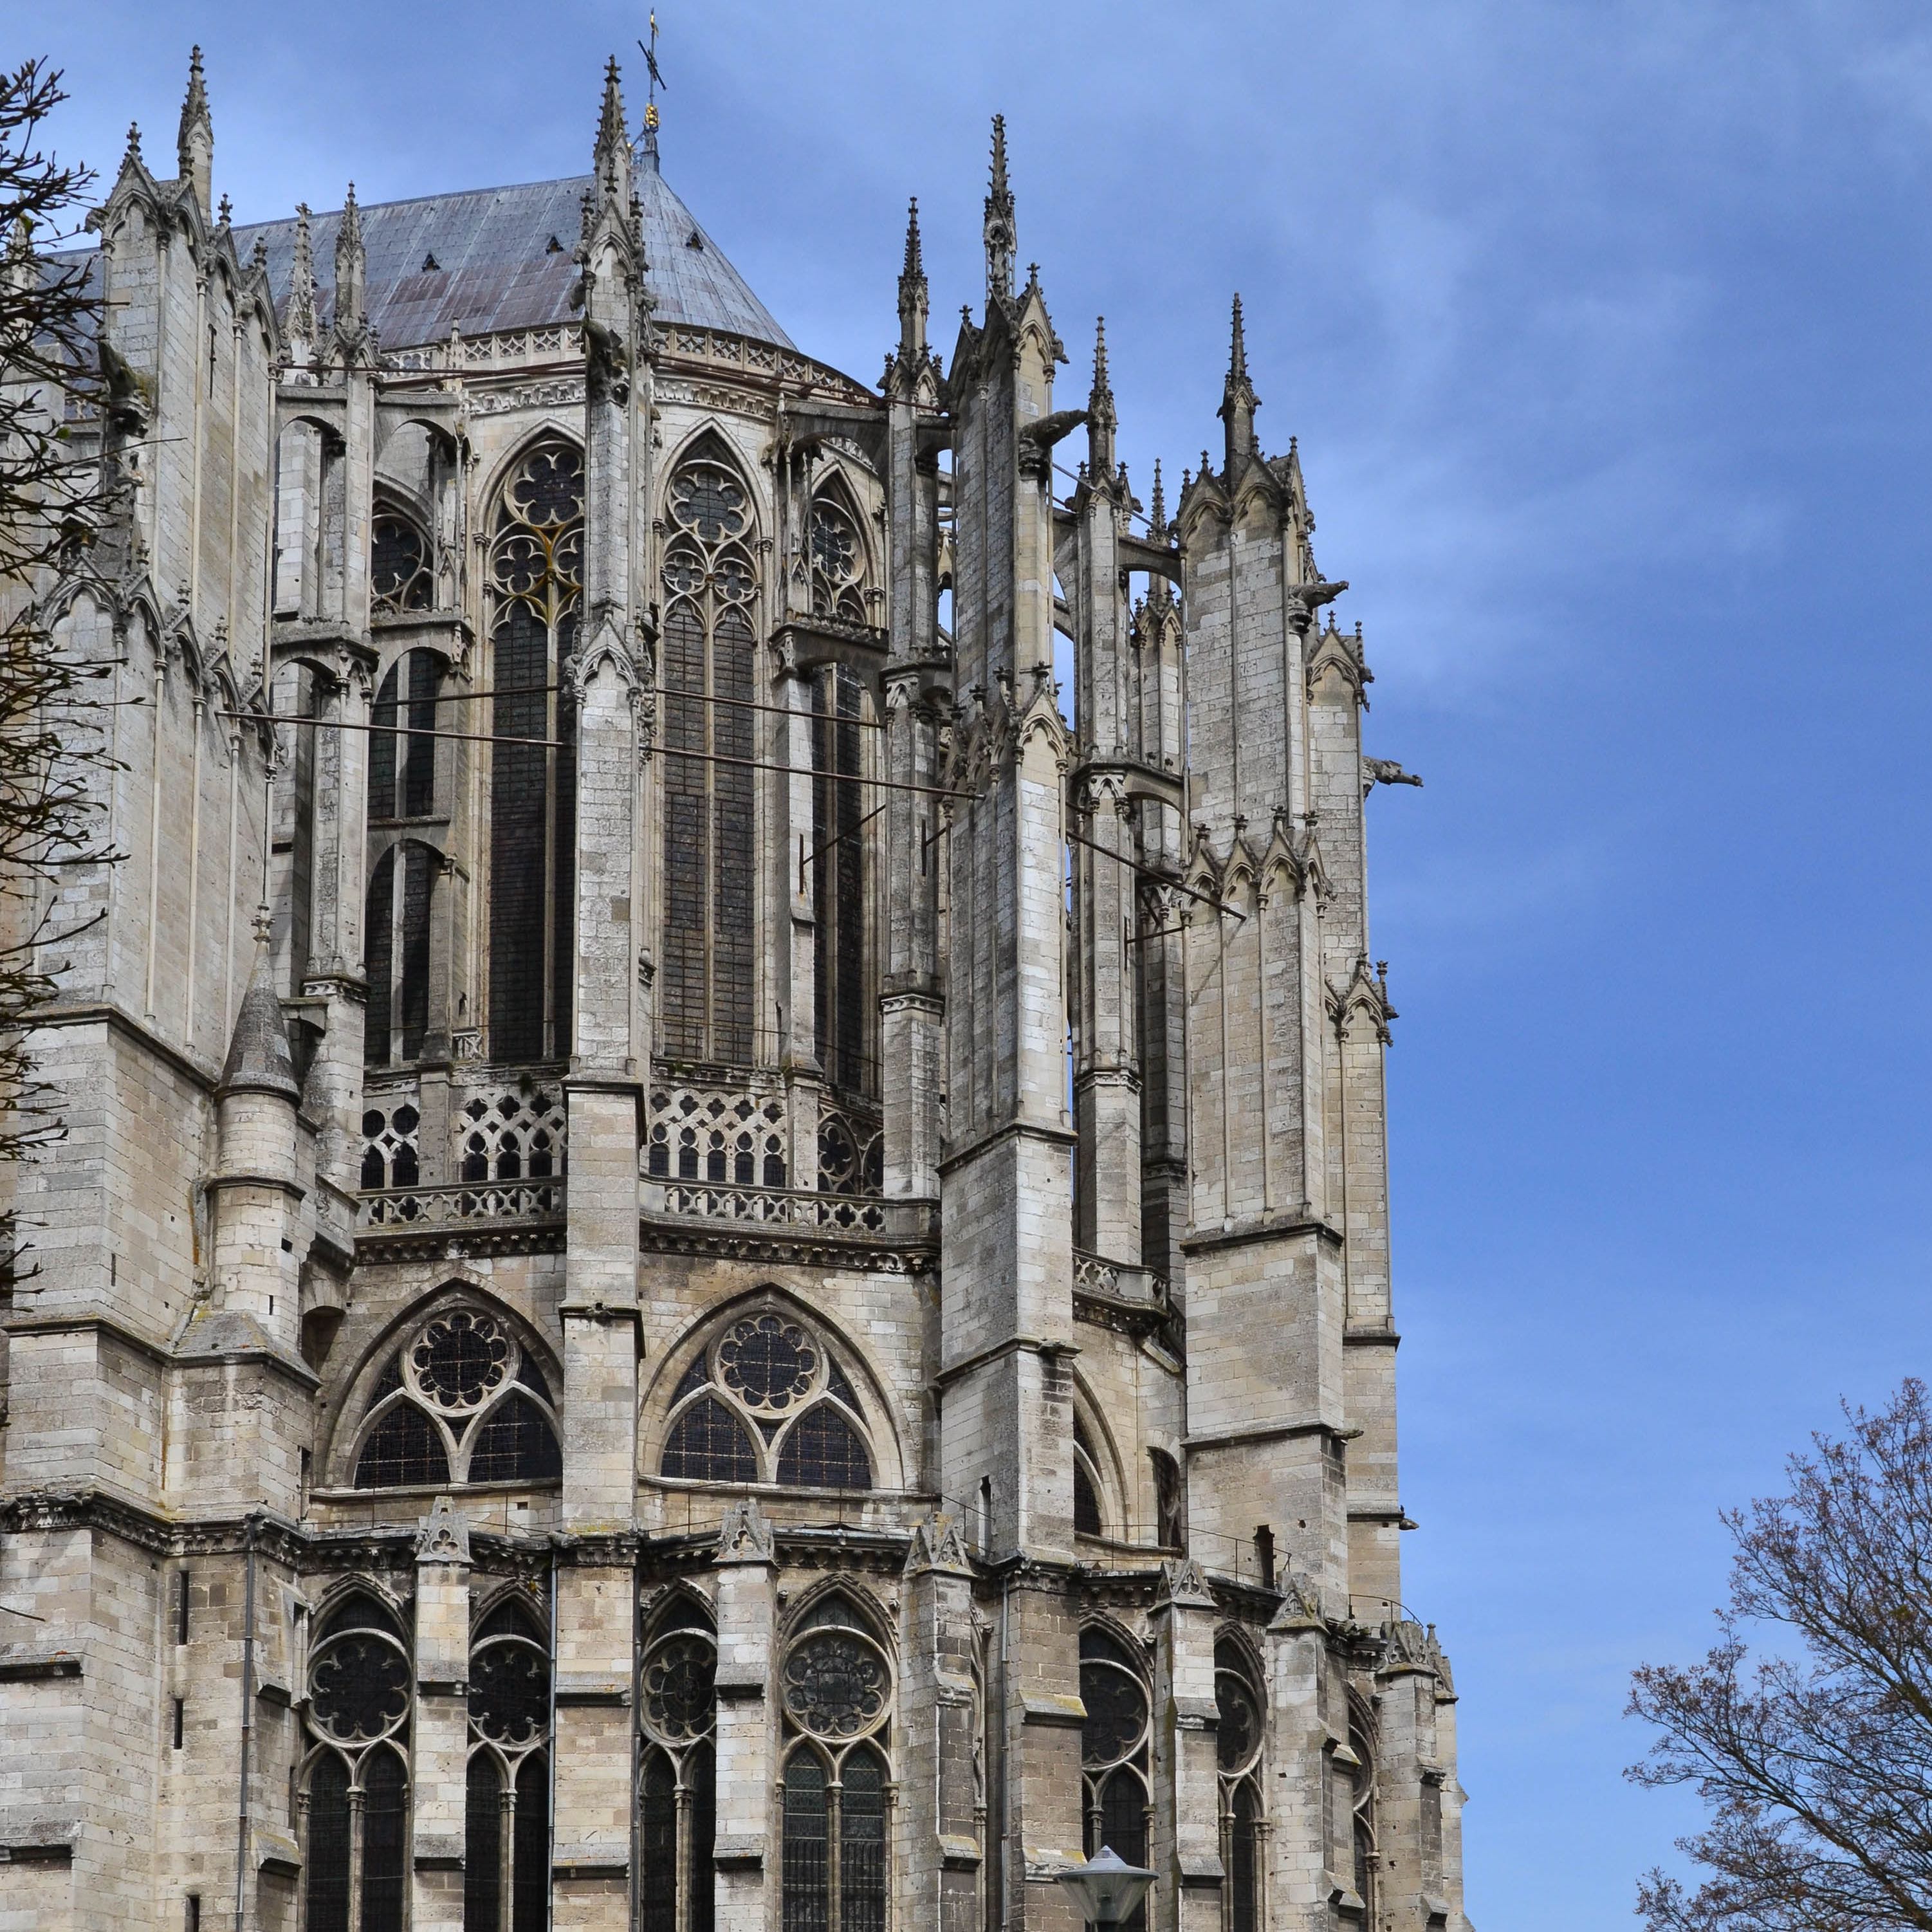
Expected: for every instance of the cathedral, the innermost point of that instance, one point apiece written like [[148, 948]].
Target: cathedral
[[721, 1256]]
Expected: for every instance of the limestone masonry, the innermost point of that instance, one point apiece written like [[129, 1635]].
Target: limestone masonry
[[709, 1269]]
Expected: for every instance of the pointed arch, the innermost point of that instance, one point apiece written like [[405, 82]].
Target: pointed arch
[[839, 550], [534, 596], [709, 628], [1094, 1446]]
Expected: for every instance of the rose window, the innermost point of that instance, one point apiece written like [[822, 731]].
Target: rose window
[[509, 1692], [1117, 1712], [678, 1675], [836, 1685], [768, 1362], [462, 1357], [1239, 1734], [359, 1687]]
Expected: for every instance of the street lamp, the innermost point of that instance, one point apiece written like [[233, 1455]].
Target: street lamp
[[1107, 1888]]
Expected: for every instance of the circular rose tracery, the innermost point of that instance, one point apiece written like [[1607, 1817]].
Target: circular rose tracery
[[359, 1688], [460, 1357], [835, 1685], [678, 1678], [767, 1363]]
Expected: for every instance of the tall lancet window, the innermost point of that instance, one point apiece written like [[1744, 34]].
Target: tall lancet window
[[356, 1775], [838, 877], [507, 1853], [535, 579], [710, 603], [677, 1791], [1114, 1749], [1238, 1750]]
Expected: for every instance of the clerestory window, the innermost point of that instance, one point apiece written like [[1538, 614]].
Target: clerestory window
[[710, 606]]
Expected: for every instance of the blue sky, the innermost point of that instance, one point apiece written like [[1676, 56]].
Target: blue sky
[[1604, 330]]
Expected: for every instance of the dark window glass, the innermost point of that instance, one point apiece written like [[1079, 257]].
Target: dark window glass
[[535, 564], [327, 1861], [511, 1617], [461, 1357], [835, 1384], [1238, 1732], [1122, 1821], [509, 1692], [383, 1831], [391, 1379], [1116, 1702], [418, 789], [403, 1451], [1086, 1503], [358, 1687], [1244, 1862], [379, 939], [694, 1378], [700, 1772], [529, 1890], [838, 886], [709, 587], [709, 1444], [399, 572], [807, 1877], [514, 1444], [532, 1377], [767, 1362], [382, 749], [862, 1844], [659, 1844], [823, 1451], [483, 1847], [418, 885]]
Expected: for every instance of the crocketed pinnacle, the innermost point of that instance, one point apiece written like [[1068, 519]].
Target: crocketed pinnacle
[[1002, 237], [613, 146], [1101, 420], [915, 255], [1157, 514], [301, 318], [351, 269], [912, 298], [194, 142], [1238, 399]]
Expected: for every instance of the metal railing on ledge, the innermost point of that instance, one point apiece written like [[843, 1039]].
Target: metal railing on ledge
[[462, 1201], [1121, 1281], [766, 1207]]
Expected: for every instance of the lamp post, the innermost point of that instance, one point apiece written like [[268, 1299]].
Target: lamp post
[[1106, 1887]]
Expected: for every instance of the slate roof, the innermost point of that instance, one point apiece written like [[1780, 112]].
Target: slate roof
[[497, 268]]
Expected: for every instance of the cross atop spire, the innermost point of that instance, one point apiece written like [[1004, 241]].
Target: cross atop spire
[[1238, 399], [1002, 238], [194, 144]]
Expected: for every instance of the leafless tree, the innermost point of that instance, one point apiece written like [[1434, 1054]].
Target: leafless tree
[[52, 506], [1815, 1759]]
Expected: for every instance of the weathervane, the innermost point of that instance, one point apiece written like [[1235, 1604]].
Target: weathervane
[[657, 79]]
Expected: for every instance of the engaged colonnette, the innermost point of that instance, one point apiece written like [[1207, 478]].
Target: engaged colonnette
[[722, 1260]]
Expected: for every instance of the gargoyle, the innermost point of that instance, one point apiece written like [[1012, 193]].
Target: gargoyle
[[1386, 771], [608, 362], [128, 393], [1036, 438]]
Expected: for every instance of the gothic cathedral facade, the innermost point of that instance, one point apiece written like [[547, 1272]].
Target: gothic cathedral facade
[[722, 1258]]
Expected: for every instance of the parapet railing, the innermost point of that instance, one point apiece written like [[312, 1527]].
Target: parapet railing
[[1120, 1281], [461, 1201]]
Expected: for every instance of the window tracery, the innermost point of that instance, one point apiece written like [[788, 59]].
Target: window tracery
[[1238, 1738], [677, 1790], [836, 1683], [401, 573], [355, 1773], [506, 1861], [1114, 1753], [1362, 1806], [535, 579], [766, 1402], [1087, 1520], [838, 561], [709, 585], [459, 1402]]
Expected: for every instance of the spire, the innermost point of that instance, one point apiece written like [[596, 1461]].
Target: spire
[[1002, 238], [352, 271], [1157, 514], [1101, 420], [299, 323], [913, 296], [613, 161], [259, 1059], [195, 144], [1238, 399]]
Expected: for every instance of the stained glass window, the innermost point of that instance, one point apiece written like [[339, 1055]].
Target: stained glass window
[[861, 1844], [807, 1866], [402, 761], [509, 1727], [535, 561], [709, 1444], [709, 634], [513, 1444], [404, 1450], [766, 1362], [327, 1863], [459, 1358], [838, 561], [657, 1803], [385, 1825], [840, 809], [1243, 1860], [679, 1701], [400, 577], [396, 937], [1114, 1752], [836, 1684], [530, 1852], [483, 1845], [1238, 1735], [677, 1795], [823, 1451]]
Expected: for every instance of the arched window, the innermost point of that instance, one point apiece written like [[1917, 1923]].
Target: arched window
[[506, 1851], [402, 890], [402, 756], [836, 1685], [1087, 1517], [710, 604], [459, 1402], [536, 578], [838, 557], [1237, 1749], [766, 1402], [678, 1790], [400, 574], [1362, 1806], [840, 809], [1169, 1501], [356, 1779], [1114, 1743]]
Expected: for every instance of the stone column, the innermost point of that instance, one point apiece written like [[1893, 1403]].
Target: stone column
[[438, 1749], [747, 1841], [1186, 1852]]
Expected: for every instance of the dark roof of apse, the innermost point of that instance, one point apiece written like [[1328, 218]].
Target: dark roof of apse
[[497, 268]]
